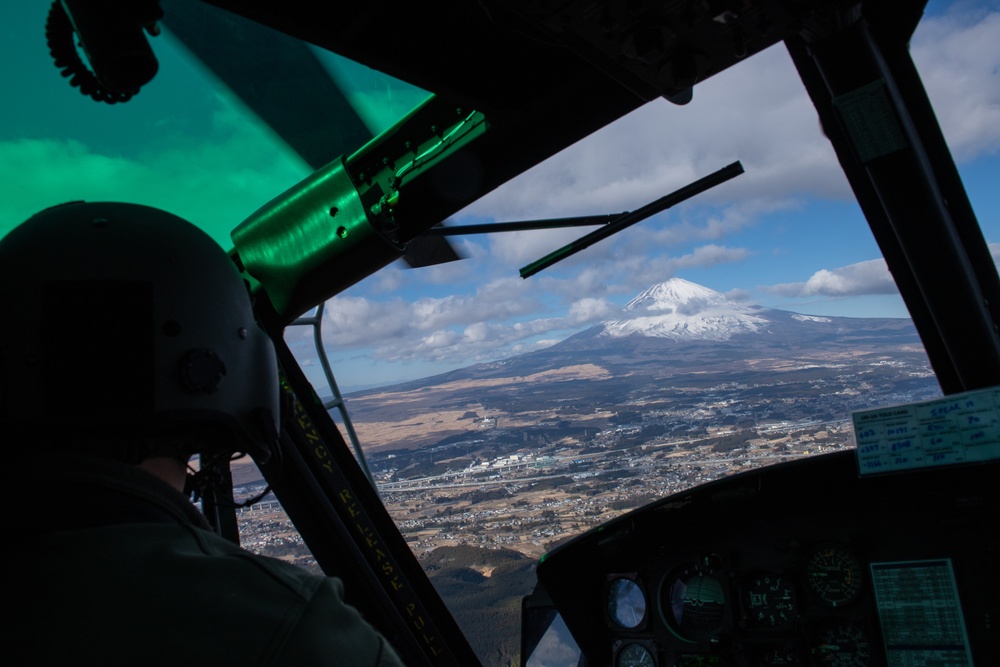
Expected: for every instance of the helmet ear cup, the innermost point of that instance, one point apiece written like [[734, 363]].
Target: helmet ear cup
[[130, 324]]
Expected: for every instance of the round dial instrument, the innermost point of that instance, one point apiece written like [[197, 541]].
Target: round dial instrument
[[626, 603], [693, 604], [834, 575], [769, 600], [842, 645], [635, 655]]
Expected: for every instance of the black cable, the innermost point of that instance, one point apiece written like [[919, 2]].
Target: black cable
[[200, 483], [59, 35]]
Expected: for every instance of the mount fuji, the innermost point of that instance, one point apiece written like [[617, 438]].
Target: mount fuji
[[678, 327], [678, 346], [679, 309], [680, 316]]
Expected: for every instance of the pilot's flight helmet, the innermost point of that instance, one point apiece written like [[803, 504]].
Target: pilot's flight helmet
[[127, 332]]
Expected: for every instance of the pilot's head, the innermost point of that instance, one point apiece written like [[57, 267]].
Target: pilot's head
[[127, 333]]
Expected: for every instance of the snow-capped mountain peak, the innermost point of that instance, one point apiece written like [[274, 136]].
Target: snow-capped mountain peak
[[681, 309], [674, 294]]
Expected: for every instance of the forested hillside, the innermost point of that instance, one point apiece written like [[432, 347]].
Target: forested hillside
[[483, 588]]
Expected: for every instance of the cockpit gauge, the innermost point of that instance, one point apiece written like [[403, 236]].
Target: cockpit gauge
[[626, 603], [842, 645], [634, 655], [834, 575], [769, 600], [693, 604]]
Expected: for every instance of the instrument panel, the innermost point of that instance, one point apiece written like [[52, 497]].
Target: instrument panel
[[802, 564]]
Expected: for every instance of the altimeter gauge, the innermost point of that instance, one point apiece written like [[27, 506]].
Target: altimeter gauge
[[834, 575]]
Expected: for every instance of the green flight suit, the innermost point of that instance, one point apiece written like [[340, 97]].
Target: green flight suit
[[114, 567]]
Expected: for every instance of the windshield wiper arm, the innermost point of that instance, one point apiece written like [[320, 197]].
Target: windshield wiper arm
[[630, 218]]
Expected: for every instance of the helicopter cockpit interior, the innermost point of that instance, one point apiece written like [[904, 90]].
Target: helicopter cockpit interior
[[886, 555]]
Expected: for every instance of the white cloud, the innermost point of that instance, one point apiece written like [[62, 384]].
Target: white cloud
[[519, 248], [444, 331], [411, 330], [214, 183], [773, 131], [352, 321], [994, 252], [958, 57], [693, 306], [590, 309], [439, 339], [389, 279], [869, 277], [502, 317], [710, 255], [631, 273], [739, 295], [477, 332]]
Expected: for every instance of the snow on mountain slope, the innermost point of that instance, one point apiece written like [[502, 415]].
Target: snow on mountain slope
[[681, 309]]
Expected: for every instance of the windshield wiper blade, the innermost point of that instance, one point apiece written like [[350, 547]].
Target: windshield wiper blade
[[628, 219], [525, 225]]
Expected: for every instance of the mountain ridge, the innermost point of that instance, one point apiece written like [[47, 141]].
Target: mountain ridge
[[678, 325]]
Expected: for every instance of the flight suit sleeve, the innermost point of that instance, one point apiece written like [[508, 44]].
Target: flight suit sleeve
[[330, 632]]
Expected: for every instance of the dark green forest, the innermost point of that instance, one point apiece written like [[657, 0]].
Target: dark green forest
[[483, 588]]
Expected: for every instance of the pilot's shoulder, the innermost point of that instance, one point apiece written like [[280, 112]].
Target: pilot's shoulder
[[214, 552], [323, 625]]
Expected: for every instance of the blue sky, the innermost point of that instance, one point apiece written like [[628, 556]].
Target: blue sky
[[786, 234]]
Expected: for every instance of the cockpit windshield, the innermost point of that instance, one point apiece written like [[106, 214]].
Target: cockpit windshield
[[500, 416]]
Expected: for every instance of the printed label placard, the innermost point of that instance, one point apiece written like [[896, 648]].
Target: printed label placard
[[961, 428]]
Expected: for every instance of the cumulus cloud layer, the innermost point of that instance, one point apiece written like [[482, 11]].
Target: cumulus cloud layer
[[661, 147], [761, 115], [476, 328], [771, 127], [506, 316], [757, 112], [213, 183], [958, 57], [870, 277]]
